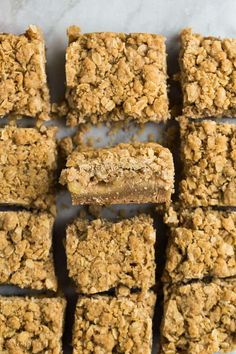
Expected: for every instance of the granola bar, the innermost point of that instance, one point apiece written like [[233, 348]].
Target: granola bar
[[199, 318], [109, 325], [102, 254], [31, 325], [126, 173], [28, 161], [208, 75], [23, 81], [204, 244], [208, 153], [26, 256], [116, 76]]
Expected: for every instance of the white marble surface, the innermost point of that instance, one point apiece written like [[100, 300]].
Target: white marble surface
[[168, 17]]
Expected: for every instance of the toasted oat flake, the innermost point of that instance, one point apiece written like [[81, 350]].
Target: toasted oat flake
[[26, 256], [31, 325], [102, 255], [28, 162], [23, 81], [208, 75], [109, 325], [116, 76]]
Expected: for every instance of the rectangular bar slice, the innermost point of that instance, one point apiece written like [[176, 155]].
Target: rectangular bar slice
[[199, 318], [28, 162], [208, 153], [102, 255], [31, 325], [126, 173], [203, 244], [26, 256], [23, 81], [116, 76], [208, 75], [105, 324]]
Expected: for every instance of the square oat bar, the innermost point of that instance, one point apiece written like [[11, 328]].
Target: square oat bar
[[208, 153], [125, 173], [203, 244], [28, 162], [116, 76], [26, 256], [208, 75], [199, 318], [102, 254], [105, 324], [23, 81], [31, 325]]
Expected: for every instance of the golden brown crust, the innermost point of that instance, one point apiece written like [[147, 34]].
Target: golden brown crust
[[102, 255], [26, 256], [208, 153], [28, 161], [113, 324], [126, 173], [31, 325], [203, 244], [199, 318], [116, 76], [208, 75], [23, 81]]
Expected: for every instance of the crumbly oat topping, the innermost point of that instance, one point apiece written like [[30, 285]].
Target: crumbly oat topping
[[116, 76], [204, 244], [31, 325], [102, 255], [199, 318], [113, 325], [26, 256], [23, 81], [126, 173], [208, 153], [28, 161], [208, 75]]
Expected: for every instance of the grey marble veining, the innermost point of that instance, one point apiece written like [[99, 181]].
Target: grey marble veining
[[167, 17]]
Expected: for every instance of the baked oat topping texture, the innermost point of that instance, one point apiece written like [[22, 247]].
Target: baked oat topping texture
[[28, 162], [208, 154], [208, 75], [31, 325], [23, 81], [199, 318], [204, 244], [116, 76], [109, 325], [102, 255], [126, 173], [26, 257]]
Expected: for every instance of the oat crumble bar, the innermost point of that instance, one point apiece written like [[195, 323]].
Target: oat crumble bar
[[126, 173], [199, 318], [28, 162], [109, 325], [208, 153], [204, 244], [23, 81], [26, 257], [116, 76], [31, 325], [102, 254], [208, 75]]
